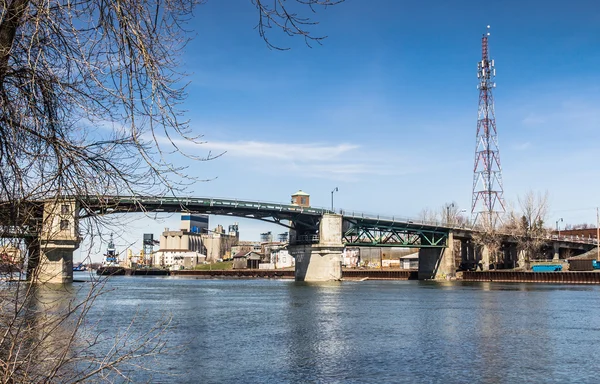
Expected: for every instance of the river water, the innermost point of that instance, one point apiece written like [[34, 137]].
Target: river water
[[280, 331]]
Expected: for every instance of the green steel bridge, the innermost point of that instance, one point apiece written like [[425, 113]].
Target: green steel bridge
[[359, 229]]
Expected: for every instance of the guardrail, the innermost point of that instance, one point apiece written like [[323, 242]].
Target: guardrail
[[274, 206]]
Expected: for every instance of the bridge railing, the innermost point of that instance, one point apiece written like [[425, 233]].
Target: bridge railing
[[257, 204], [452, 225], [224, 202], [405, 219]]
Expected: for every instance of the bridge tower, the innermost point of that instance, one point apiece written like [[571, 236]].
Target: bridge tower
[[488, 202], [51, 259]]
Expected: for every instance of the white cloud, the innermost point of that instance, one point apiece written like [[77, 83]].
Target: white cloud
[[281, 151], [521, 146], [344, 161]]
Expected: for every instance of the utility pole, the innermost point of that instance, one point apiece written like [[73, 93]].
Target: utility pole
[[557, 227], [448, 206], [334, 190]]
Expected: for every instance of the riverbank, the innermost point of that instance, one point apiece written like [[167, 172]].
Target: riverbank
[[506, 276]]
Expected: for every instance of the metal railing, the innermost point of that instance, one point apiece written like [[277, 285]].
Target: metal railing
[[274, 206]]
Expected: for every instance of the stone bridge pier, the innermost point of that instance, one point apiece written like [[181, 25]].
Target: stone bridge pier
[[321, 261], [51, 254], [437, 263]]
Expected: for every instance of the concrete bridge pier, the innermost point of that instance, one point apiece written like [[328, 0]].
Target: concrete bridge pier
[[485, 258], [51, 259], [321, 261], [510, 255], [523, 259], [467, 251], [556, 251], [437, 263]]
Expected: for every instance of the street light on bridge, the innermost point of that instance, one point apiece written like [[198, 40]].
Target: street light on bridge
[[448, 206], [334, 190], [557, 228]]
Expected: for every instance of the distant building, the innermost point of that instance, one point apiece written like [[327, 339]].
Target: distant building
[[410, 261], [178, 259], [194, 223], [246, 246], [266, 249], [283, 237], [266, 237], [301, 199], [248, 260], [180, 240], [280, 258], [184, 247], [218, 244]]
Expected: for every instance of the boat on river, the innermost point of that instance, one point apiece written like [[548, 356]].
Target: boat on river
[[111, 264]]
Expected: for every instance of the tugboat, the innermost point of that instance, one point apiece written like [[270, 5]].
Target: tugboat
[[110, 264]]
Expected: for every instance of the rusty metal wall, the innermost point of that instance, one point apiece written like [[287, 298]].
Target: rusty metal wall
[[581, 265], [534, 277]]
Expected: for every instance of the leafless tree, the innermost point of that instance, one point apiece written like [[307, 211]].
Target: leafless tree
[[285, 16], [90, 95], [490, 240], [428, 215], [528, 225], [452, 214]]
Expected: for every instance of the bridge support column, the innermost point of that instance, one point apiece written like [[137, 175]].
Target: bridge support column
[[437, 263], [322, 261], [510, 255], [59, 238], [523, 260], [556, 252], [485, 258], [56, 266], [467, 252]]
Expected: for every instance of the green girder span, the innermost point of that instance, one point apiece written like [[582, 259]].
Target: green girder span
[[366, 234]]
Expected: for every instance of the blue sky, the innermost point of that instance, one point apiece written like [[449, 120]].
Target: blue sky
[[386, 108]]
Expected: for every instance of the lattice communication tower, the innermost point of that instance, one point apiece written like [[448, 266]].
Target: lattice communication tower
[[488, 203]]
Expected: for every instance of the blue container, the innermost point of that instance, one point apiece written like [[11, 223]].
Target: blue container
[[596, 264], [547, 268]]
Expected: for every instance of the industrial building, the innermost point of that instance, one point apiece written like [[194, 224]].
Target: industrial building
[[183, 248], [218, 244]]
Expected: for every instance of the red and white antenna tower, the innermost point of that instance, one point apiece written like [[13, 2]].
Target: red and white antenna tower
[[488, 203]]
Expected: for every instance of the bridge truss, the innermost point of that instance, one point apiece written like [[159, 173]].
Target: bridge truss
[[303, 218], [366, 232], [358, 229]]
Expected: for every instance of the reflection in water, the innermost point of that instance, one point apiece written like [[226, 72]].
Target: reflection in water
[[49, 337], [270, 331], [316, 340], [38, 332]]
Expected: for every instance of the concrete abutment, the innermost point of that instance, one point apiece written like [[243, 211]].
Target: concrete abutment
[[321, 261]]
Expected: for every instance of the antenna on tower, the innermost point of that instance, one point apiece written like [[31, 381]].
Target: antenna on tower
[[487, 204]]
